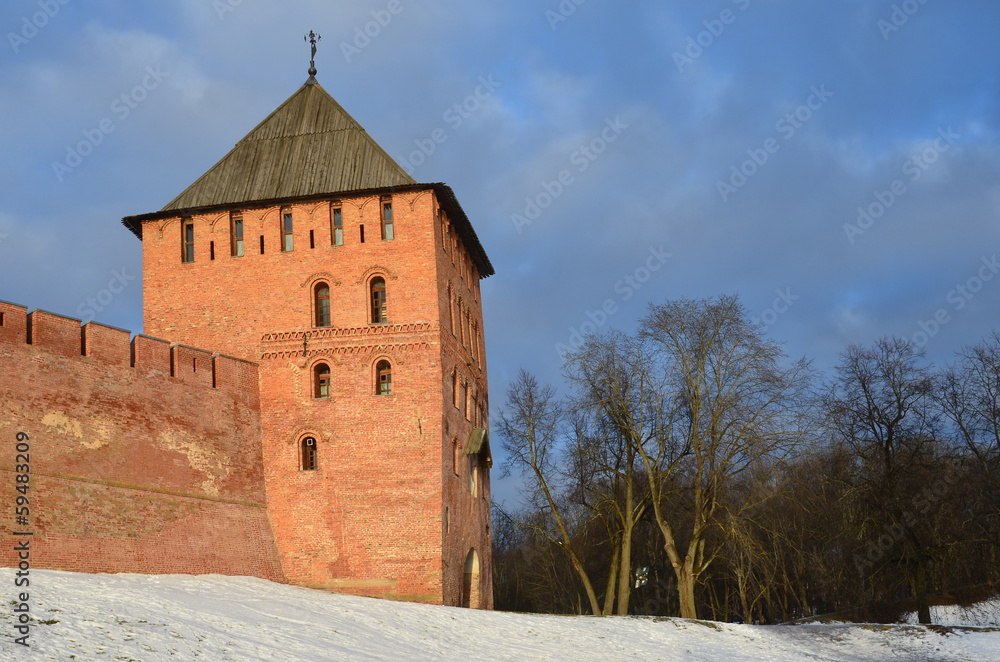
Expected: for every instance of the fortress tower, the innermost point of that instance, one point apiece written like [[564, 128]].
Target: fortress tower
[[308, 251]]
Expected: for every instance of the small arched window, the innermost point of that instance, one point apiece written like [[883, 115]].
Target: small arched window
[[322, 304], [321, 381], [383, 378], [378, 299], [310, 460]]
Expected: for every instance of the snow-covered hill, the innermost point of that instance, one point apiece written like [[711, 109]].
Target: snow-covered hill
[[214, 618]]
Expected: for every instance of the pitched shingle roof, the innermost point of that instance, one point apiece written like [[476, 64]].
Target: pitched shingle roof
[[310, 148], [309, 145]]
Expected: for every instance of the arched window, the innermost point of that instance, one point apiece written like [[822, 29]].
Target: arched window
[[378, 298], [470, 581], [322, 304], [321, 381], [309, 456], [383, 378]]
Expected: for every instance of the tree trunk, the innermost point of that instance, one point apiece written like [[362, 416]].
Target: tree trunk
[[920, 593], [625, 574], [595, 607], [609, 594], [685, 590]]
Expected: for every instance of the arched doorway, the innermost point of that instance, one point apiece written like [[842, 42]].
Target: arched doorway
[[470, 581]]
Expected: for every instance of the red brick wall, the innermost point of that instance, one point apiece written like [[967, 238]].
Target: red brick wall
[[469, 515], [371, 519], [132, 469]]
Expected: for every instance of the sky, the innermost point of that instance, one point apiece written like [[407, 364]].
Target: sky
[[835, 164]]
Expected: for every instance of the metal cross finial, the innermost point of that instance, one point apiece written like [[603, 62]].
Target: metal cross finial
[[312, 38]]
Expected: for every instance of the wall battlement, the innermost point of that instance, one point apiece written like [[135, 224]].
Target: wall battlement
[[114, 347], [145, 456]]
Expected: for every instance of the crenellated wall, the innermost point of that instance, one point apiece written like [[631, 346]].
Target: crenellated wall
[[145, 457]]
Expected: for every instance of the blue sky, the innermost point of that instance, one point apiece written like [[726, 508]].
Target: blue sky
[[728, 143]]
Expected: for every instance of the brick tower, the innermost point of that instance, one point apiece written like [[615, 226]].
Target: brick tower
[[310, 252]]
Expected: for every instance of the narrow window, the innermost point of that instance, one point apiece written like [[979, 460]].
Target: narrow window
[[444, 231], [473, 474], [309, 459], [383, 378], [362, 227], [312, 239], [211, 250], [187, 237], [455, 388], [321, 381], [322, 304], [447, 519], [236, 231], [451, 309], [262, 244], [338, 227], [194, 365], [464, 404], [378, 298], [471, 406], [456, 450], [2, 319], [387, 220], [286, 232], [461, 321]]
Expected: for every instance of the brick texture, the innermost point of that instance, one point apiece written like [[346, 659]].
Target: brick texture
[[156, 456], [132, 469], [384, 513]]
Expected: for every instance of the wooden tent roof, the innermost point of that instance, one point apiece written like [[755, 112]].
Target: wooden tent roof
[[309, 145], [309, 148]]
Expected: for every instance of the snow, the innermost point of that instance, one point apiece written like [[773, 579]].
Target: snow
[[216, 618], [983, 614]]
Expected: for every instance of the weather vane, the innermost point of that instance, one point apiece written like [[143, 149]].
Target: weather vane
[[312, 38]]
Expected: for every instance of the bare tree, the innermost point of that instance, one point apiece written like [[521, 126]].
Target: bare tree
[[529, 426], [881, 406], [969, 395], [610, 373], [723, 404]]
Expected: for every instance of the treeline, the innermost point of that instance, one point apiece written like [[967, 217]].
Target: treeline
[[693, 470]]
